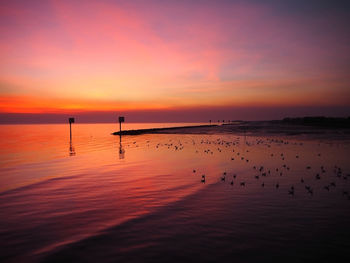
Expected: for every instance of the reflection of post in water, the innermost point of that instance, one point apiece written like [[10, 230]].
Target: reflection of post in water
[[121, 150], [71, 148]]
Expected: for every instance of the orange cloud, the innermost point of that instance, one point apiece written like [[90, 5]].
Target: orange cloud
[[88, 55]]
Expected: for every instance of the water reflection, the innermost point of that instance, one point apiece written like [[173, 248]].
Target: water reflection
[[71, 148], [121, 149], [256, 189]]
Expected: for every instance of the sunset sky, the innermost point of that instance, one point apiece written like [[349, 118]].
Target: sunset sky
[[182, 60]]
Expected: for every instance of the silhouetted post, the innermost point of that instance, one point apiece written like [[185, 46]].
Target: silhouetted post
[[121, 119], [71, 120]]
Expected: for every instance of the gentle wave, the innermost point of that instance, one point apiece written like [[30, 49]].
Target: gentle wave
[[65, 250]]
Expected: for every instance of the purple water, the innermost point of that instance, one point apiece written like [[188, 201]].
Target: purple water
[[96, 199]]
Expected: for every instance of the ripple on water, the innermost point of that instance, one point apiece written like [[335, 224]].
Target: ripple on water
[[104, 204]]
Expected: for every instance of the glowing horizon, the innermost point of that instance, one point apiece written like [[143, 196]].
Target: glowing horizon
[[76, 56]]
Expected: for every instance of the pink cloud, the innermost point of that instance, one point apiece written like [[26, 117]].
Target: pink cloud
[[183, 54]]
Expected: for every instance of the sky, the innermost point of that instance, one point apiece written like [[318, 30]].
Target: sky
[[173, 60]]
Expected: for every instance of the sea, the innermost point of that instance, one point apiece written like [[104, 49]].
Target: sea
[[90, 196]]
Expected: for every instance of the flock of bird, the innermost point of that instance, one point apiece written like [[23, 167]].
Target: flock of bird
[[264, 172], [236, 150]]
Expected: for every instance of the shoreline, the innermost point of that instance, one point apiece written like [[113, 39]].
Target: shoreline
[[247, 128], [160, 130]]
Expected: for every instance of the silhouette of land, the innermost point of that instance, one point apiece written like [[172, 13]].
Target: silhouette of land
[[319, 121], [161, 130], [287, 126]]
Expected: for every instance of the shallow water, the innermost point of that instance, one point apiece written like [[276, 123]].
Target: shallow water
[[96, 198]]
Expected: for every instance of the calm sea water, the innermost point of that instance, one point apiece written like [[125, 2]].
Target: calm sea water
[[97, 198]]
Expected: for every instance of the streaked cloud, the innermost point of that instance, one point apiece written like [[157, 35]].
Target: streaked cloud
[[110, 55]]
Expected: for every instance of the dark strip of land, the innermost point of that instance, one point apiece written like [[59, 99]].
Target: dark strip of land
[[320, 121], [287, 126], [159, 130]]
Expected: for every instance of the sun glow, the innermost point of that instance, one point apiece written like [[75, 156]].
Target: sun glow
[[101, 56]]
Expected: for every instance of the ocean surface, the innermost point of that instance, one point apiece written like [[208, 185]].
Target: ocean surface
[[171, 197]]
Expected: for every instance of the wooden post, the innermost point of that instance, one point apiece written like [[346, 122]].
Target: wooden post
[[121, 119], [71, 120]]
